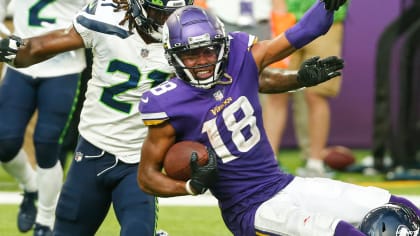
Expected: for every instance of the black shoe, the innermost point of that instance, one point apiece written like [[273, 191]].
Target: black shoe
[[42, 230], [27, 211], [161, 233]]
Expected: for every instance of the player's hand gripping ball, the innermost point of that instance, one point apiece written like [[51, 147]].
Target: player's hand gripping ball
[[338, 157], [177, 160]]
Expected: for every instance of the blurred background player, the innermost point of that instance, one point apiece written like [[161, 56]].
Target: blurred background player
[[251, 16], [280, 21], [311, 105], [128, 59], [50, 88]]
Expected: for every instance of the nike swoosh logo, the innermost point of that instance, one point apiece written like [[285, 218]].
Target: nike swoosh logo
[[144, 100]]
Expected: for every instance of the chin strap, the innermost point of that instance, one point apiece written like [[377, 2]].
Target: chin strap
[[228, 81]]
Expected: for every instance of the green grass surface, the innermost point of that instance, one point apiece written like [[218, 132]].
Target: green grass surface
[[178, 221], [204, 221]]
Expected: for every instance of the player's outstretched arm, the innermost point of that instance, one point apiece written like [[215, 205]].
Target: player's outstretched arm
[[316, 22], [25, 52], [313, 71]]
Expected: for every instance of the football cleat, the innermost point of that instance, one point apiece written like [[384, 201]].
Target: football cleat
[[162, 233], [42, 230], [310, 172], [27, 211]]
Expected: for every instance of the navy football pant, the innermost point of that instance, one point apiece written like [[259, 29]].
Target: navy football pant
[[95, 180], [20, 96]]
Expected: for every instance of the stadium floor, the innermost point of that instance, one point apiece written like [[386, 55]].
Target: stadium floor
[[201, 200]]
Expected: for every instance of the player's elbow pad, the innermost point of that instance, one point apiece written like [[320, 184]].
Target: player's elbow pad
[[316, 22]]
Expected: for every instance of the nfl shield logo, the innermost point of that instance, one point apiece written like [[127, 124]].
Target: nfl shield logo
[[78, 156], [218, 95], [144, 52]]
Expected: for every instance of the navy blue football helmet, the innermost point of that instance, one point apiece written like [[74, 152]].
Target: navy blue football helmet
[[189, 28], [150, 24], [391, 220]]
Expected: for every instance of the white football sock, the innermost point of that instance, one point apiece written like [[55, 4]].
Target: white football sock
[[20, 168], [315, 164], [49, 184]]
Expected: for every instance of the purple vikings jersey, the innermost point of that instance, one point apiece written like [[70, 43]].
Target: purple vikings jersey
[[227, 118]]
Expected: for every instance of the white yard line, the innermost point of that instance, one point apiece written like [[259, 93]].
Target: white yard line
[[10, 198], [201, 200]]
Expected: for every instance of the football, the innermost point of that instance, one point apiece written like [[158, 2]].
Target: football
[[338, 157], [177, 160]]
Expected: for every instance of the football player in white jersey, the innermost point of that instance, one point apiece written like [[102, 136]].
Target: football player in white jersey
[[128, 58], [49, 87]]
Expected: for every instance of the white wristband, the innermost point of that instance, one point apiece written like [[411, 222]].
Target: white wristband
[[188, 188]]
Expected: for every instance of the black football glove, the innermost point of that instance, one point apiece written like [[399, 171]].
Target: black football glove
[[203, 176], [333, 5], [8, 48], [314, 71]]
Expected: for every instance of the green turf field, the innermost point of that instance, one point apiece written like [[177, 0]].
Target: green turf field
[[203, 220]]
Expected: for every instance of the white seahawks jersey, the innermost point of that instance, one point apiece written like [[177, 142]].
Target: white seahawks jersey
[[124, 66], [35, 17]]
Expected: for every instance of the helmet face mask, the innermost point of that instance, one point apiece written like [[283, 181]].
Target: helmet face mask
[[200, 62], [391, 220], [150, 15], [195, 32]]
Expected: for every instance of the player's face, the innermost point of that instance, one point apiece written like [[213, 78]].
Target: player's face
[[201, 61]]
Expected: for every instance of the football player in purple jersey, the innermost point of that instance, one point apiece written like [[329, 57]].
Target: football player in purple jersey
[[214, 100]]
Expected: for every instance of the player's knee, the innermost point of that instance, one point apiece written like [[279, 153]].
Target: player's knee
[[9, 148], [46, 154], [67, 207], [48, 133], [71, 218], [141, 218]]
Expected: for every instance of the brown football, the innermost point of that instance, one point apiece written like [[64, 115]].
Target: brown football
[[177, 160], [338, 157]]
